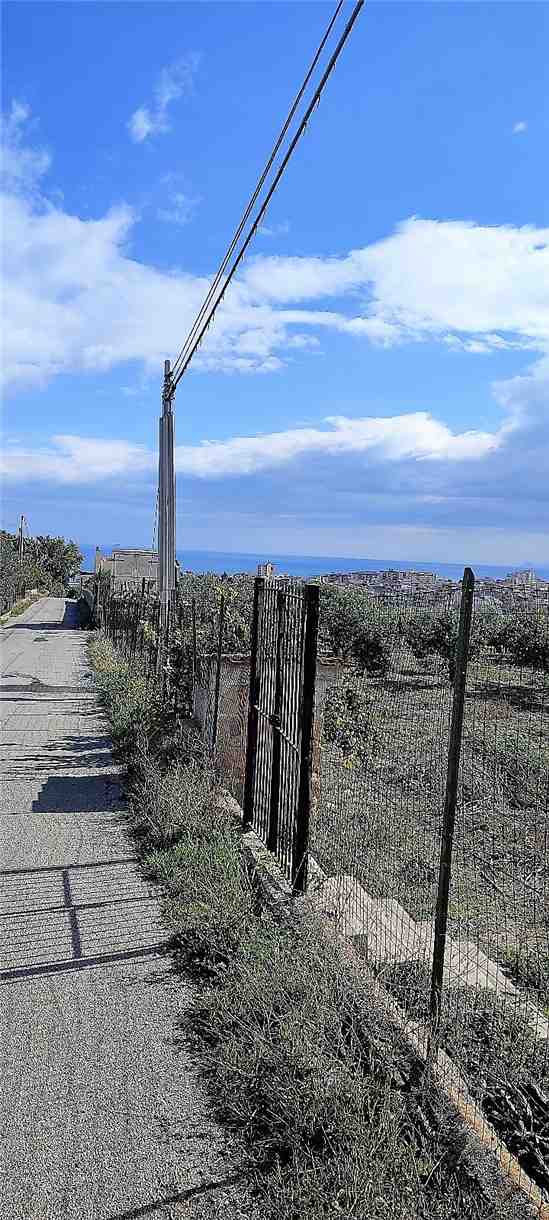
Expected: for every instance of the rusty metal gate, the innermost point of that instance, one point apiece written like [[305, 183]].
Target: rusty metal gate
[[277, 791]]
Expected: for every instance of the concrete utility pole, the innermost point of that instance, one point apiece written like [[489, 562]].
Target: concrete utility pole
[[20, 551], [166, 492]]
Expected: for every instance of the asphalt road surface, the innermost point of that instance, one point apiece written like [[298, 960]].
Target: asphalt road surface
[[103, 1115]]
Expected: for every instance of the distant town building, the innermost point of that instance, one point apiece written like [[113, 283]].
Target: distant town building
[[518, 588], [266, 569], [520, 579], [391, 579], [128, 567]]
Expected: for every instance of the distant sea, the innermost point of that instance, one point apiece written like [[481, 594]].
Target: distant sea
[[315, 565]]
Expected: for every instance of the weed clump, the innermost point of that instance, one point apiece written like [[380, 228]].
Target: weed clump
[[173, 804]]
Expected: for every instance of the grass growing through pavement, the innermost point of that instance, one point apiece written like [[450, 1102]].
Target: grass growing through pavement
[[19, 607], [315, 1080]]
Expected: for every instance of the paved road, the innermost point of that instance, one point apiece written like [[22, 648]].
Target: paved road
[[103, 1118]]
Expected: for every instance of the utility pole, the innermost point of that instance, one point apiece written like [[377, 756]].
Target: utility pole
[[20, 551], [166, 492]]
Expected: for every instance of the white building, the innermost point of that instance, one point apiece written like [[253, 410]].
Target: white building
[[129, 566], [520, 579]]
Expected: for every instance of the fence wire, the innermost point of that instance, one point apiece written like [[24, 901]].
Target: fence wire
[[225, 734], [181, 653], [380, 748], [380, 780]]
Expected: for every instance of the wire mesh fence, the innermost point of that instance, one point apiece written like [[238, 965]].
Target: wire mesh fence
[[181, 651], [379, 828], [223, 719], [421, 788], [278, 777]]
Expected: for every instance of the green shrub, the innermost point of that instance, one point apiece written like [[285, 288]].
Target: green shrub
[[529, 641], [429, 632], [132, 707], [348, 721], [208, 897], [19, 607], [355, 627]]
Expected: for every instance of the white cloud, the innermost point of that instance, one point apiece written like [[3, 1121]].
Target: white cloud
[[21, 167], [141, 125], [180, 209], [413, 436], [174, 82], [525, 398], [76, 300], [307, 342], [416, 436], [276, 230], [522, 125], [353, 481], [427, 280], [75, 459]]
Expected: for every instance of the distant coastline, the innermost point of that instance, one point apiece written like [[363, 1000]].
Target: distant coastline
[[316, 565]]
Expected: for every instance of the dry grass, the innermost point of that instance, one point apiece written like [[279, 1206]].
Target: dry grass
[[20, 606], [315, 1081], [170, 805], [321, 1087], [381, 821]]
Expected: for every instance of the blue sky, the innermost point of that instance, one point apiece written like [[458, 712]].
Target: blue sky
[[378, 381]]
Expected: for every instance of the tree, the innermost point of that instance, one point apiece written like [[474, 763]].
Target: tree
[[435, 632], [47, 562], [528, 640], [9, 569], [207, 589], [347, 721], [338, 619], [57, 559], [357, 627]]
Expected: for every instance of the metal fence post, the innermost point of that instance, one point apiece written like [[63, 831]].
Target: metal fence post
[[251, 740], [218, 675], [450, 799], [300, 844], [275, 721]]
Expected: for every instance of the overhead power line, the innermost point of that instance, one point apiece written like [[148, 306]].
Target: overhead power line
[[208, 309], [257, 191]]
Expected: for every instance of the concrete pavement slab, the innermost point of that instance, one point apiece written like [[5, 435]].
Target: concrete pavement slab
[[104, 1115]]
